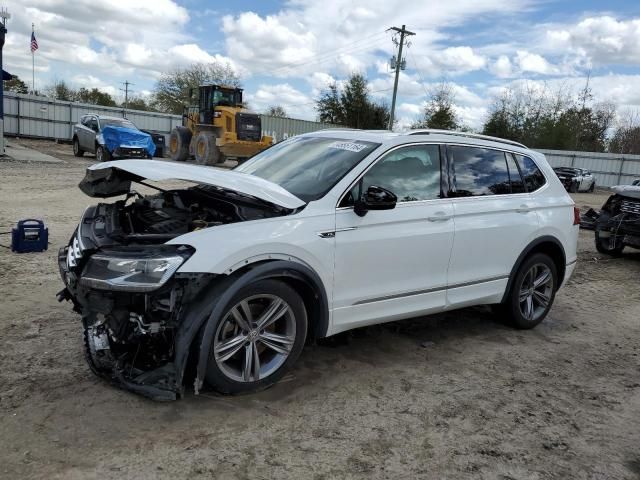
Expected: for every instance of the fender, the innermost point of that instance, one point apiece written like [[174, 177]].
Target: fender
[[204, 313], [525, 253]]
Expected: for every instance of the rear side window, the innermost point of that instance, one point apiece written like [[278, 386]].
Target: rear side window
[[517, 185], [533, 177], [479, 171]]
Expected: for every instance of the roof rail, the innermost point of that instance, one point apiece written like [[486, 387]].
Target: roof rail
[[434, 131]]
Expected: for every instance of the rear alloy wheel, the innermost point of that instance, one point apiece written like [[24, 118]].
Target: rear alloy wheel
[[258, 338], [77, 151], [533, 291]]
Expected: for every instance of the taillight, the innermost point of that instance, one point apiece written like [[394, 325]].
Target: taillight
[[576, 216]]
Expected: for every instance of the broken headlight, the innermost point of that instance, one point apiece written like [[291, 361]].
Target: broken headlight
[[133, 271]]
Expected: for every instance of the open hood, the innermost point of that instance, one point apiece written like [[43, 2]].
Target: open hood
[[110, 179]]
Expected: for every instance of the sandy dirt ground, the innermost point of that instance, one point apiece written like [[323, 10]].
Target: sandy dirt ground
[[452, 396]]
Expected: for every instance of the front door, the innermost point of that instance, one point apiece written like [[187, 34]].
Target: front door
[[392, 264]]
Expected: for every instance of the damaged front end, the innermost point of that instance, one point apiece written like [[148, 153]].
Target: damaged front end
[[618, 223], [140, 314]]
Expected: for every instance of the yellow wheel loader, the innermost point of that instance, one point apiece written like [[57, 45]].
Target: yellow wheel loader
[[218, 128]]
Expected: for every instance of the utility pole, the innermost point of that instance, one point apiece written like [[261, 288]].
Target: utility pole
[[126, 84], [398, 64]]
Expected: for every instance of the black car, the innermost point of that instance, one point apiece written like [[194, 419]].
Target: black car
[[576, 179], [158, 140]]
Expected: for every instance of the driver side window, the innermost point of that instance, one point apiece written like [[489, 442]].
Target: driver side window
[[412, 173]]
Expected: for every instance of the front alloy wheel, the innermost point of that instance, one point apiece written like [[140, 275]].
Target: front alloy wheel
[[258, 338]]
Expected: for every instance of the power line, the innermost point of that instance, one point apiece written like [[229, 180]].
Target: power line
[[320, 58]]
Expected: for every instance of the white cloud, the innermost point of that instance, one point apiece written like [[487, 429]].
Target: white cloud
[[295, 103], [534, 63], [456, 60], [604, 40], [502, 67]]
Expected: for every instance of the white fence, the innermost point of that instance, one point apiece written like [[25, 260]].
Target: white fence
[[43, 117], [609, 168]]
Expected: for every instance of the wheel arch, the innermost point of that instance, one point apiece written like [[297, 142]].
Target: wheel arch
[[196, 331], [548, 245]]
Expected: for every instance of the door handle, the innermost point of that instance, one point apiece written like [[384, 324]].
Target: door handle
[[439, 217], [523, 209]]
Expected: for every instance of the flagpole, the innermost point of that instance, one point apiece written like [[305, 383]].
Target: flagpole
[[33, 63]]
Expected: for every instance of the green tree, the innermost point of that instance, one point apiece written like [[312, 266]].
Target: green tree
[[353, 106], [15, 85], [555, 120], [137, 103], [439, 111], [329, 106], [60, 90], [276, 111], [95, 97], [172, 91]]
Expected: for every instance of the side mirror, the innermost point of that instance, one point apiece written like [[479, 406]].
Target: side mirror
[[375, 198]]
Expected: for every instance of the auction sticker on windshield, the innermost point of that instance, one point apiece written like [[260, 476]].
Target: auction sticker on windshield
[[352, 147]]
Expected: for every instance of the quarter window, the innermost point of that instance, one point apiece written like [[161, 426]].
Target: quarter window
[[479, 171], [533, 177], [411, 173], [517, 185]]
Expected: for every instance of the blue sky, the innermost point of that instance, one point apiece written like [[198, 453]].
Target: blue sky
[[287, 51]]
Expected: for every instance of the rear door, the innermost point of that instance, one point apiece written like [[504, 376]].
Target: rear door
[[392, 264], [494, 222]]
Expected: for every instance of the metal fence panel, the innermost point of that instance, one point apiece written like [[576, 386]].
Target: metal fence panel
[[281, 128], [34, 116], [609, 168]]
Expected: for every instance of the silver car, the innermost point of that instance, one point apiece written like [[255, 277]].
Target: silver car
[[87, 137]]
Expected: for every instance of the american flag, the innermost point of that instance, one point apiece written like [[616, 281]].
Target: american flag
[[34, 42]]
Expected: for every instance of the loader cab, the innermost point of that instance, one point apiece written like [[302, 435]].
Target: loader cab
[[212, 96]]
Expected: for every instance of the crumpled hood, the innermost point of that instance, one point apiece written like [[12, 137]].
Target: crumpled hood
[[115, 137], [110, 179]]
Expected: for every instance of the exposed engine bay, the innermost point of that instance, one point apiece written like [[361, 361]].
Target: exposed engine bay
[[140, 317], [168, 214]]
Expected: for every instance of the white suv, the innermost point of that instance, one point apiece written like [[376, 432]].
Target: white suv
[[319, 234]]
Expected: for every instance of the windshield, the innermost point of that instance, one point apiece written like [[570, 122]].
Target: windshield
[[225, 97], [308, 167], [116, 122]]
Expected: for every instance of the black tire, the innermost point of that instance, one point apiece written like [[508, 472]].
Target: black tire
[[102, 154], [77, 151], [513, 307], [206, 152], [573, 187], [592, 187], [222, 376], [179, 141], [603, 244]]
